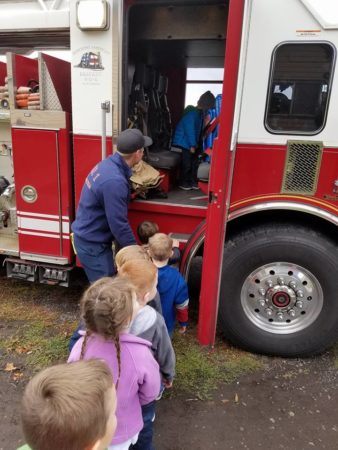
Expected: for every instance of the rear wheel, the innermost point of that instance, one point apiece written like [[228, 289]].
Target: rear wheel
[[279, 291]]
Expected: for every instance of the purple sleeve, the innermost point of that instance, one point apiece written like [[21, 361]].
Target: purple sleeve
[[149, 378]]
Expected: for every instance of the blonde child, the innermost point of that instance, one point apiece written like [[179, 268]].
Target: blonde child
[[171, 285], [133, 253], [107, 309], [130, 252], [149, 324], [70, 406]]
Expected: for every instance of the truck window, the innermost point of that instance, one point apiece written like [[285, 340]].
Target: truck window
[[201, 80], [299, 88]]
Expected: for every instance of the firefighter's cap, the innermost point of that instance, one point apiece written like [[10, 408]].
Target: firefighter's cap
[[131, 140]]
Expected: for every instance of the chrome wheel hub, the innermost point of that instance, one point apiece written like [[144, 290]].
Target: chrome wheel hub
[[282, 298]]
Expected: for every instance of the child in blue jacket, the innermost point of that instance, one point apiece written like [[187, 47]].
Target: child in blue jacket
[[171, 286], [187, 137]]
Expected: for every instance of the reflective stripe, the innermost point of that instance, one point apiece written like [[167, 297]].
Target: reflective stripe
[[42, 225]]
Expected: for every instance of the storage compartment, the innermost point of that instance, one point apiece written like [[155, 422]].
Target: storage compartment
[[42, 160], [48, 85]]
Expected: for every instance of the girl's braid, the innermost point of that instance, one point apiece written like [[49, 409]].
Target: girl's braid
[[118, 356], [84, 344], [107, 308]]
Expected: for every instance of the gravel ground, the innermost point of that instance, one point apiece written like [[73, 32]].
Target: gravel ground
[[290, 404]]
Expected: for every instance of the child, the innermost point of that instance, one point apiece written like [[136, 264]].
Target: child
[[70, 407], [171, 285], [133, 253], [125, 254], [149, 324], [188, 138], [107, 309], [130, 252], [147, 229]]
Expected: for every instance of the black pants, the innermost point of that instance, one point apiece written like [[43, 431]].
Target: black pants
[[189, 167]]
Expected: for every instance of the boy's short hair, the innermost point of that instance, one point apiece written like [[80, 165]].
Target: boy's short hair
[[160, 247], [64, 407], [146, 230], [129, 253], [141, 274]]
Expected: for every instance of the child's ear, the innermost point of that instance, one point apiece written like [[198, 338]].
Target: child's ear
[[96, 446], [147, 298]]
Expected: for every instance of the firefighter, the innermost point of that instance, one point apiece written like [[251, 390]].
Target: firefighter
[[102, 214]]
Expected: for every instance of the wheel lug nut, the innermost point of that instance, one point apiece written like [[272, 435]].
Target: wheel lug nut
[[268, 312], [299, 304], [292, 285], [280, 280], [269, 283], [261, 291], [300, 293], [280, 316], [292, 312], [262, 302]]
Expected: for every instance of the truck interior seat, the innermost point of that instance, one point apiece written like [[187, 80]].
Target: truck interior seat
[[146, 113]]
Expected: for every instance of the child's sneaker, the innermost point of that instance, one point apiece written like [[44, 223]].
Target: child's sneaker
[[195, 187], [161, 392], [185, 187]]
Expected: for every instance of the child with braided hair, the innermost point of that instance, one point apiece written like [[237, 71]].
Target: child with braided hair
[[107, 309]]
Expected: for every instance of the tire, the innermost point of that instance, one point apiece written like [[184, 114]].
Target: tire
[[279, 290]]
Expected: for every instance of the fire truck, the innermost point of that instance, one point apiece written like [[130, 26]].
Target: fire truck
[[264, 223]]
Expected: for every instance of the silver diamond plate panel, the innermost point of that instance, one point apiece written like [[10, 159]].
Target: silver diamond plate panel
[[49, 97], [302, 167]]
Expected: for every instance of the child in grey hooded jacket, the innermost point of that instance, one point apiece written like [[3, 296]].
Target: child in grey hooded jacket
[[149, 324]]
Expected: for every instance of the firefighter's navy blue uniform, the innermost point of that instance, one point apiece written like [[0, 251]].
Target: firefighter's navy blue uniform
[[102, 216]]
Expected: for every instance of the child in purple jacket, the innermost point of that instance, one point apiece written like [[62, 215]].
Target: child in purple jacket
[[107, 308]]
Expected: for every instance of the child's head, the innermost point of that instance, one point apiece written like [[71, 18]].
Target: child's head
[[70, 407], [143, 276], [107, 306], [131, 252], [160, 247], [206, 101], [146, 230]]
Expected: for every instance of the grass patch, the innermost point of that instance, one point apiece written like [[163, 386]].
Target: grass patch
[[39, 342], [200, 371], [32, 332], [49, 351]]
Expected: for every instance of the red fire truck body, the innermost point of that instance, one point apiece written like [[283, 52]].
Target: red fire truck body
[[265, 221]]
